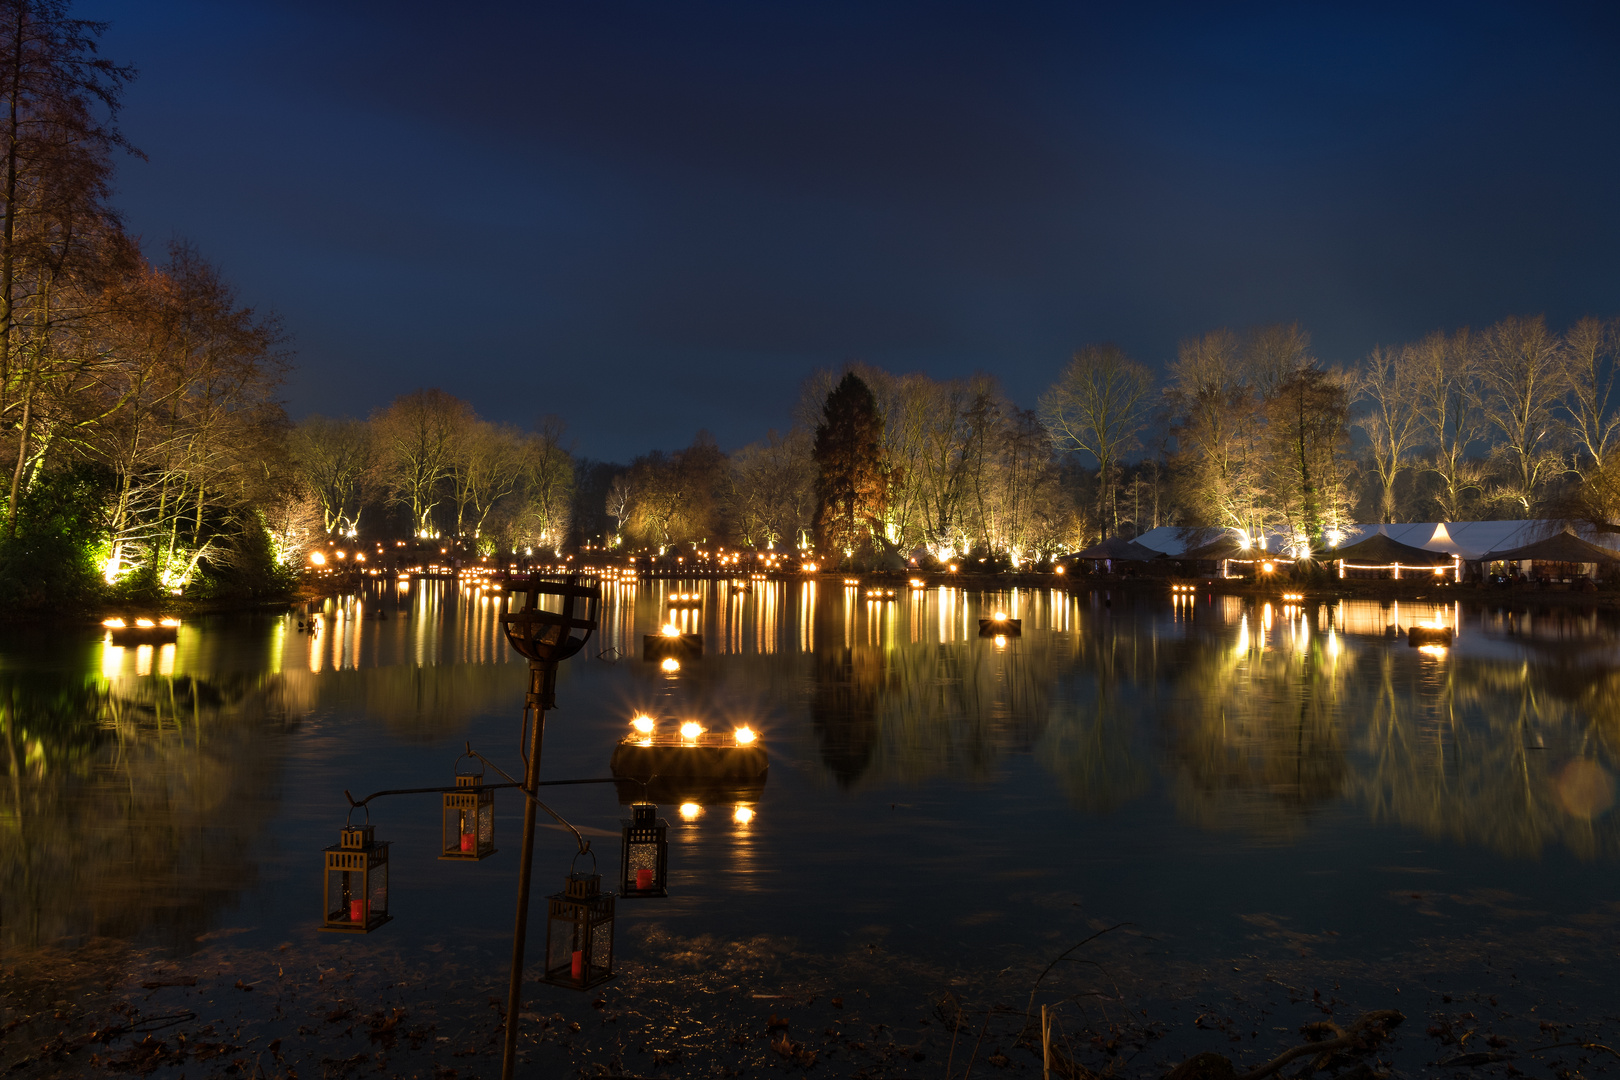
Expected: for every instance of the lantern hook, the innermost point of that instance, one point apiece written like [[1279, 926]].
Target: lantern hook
[[584, 845], [348, 819], [584, 849], [470, 753]]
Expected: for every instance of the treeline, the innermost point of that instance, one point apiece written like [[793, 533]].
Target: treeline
[[1247, 431], [139, 426]]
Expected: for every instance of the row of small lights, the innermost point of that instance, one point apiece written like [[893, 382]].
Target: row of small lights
[[139, 624], [691, 730]]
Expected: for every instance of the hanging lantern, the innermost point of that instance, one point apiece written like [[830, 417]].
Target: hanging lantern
[[356, 885], [469, 819], [644, 854], [579, 933]]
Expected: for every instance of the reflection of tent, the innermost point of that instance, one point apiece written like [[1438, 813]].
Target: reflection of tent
[[1566, 547], [1379, 550], [1117, 550]]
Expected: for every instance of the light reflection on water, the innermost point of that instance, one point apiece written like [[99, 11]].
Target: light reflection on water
[[1175, 763]]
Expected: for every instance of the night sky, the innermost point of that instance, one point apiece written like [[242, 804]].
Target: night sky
[[656, 218]]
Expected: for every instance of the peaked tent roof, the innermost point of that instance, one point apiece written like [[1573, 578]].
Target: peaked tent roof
[[1118, 550], [1380, 549], [1565, 547], [1224, 546]]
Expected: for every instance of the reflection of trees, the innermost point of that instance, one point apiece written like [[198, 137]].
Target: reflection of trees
[[911, 710], [1092, 722], [132, 806], [1253, 733], [1474, 751]]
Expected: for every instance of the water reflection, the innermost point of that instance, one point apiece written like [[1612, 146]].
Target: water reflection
[[139, 780]]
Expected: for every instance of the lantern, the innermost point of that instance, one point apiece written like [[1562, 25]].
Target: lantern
[[644, 854], [356, 885], [469, 819], [579, 933]]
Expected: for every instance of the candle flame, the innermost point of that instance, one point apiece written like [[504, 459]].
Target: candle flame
[[691, 730], [1001, 616], [113, 624], [671, 630], [743, 815], [643, 723], [745, 735], [690, 811]]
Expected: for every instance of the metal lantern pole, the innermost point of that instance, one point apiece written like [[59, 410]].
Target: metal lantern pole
[[534, 713], [543, 638]]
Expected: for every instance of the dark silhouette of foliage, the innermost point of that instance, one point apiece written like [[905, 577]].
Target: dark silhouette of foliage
[[851, 484]]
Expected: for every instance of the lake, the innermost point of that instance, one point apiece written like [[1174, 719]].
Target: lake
[[1269, 813]]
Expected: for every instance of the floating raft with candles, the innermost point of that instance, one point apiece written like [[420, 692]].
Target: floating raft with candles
[[1001, 627], [1418, 636], [142, 631], [665, 767], [680, 646]]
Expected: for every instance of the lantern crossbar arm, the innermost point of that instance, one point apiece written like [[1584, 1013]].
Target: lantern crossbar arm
[[354, 802]]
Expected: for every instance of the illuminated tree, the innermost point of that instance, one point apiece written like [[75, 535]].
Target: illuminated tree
[[416, 444], [1099, 406], [1393, 422], [58, 101], [1525, 373], [336, 459], [851, 482]]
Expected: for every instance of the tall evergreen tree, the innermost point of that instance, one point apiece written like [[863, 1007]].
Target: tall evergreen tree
[[851, 484]]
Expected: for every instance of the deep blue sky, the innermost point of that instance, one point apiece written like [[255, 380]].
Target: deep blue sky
[[651, 218]]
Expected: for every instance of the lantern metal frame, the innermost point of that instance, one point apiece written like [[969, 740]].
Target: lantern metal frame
[[644, 846], [470, 804], [579, 929], [357, 851]]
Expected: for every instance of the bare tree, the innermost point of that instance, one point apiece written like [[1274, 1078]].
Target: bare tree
[[335, 458], [1393, 421], [416, 438], [1216, 424], [547, 470], [1445, 376], [1524, 373], [58, 103], [1590, 405], [1099, 406]]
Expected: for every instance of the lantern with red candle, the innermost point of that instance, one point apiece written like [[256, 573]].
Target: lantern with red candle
[[579, 933], [644, 854], [469, 818], [356, 885]]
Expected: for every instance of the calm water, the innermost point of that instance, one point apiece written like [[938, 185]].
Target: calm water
[[1236, 780]]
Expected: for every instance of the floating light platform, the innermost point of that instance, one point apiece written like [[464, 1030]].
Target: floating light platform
[[999, 625], [142, 631]]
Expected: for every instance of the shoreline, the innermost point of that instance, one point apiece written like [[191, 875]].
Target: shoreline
[[313, 592]]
